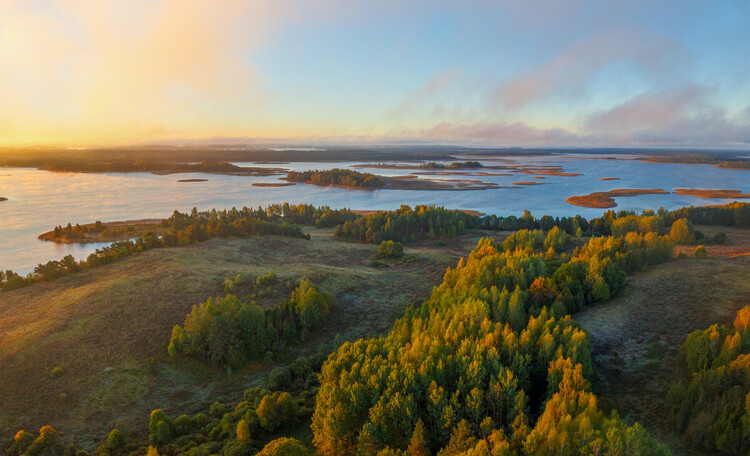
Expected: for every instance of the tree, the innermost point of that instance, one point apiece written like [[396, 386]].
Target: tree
[[418, 444], [243, 431], [682, 232], [284, 447]]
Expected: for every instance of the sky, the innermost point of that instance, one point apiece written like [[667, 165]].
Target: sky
[[547, 73]]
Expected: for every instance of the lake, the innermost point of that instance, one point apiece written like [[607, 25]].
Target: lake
[[39, 200]]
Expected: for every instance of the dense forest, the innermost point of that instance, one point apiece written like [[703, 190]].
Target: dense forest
[[339, 177], [711, 402], [492, 363]]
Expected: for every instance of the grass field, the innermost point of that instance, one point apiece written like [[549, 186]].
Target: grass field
[[108, 328], [635, 339]]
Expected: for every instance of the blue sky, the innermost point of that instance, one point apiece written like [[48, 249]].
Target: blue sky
[[512, 73]]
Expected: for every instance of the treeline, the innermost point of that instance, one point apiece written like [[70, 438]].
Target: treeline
[[228, 332], [408, 225], [711, 402], [129, 166], [454, 165], [732, 214], [337, 176], [183, 229], [492, 363]]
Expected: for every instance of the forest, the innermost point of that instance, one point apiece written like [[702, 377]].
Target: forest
[[338, 177]]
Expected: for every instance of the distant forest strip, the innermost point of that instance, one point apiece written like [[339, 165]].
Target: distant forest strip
[[721, 160], [158, 168], [337, 177], [38, 158]]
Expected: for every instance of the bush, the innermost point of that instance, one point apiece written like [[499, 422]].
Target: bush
[[56, 372], [390, 249], [700, 252], [279, 378], [379, 264], [719, 238]]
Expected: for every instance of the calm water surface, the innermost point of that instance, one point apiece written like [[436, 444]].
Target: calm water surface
[[39, 200]]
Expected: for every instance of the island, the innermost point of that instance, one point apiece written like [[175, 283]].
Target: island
[[703, 193], [603, 200]]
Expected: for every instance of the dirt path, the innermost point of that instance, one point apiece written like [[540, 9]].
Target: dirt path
[[635, 339]]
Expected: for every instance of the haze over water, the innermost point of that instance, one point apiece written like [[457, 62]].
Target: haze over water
[[40, 200]]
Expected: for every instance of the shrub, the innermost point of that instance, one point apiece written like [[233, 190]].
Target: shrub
[[390, 249], [719, 238], [378, 264], [56, 372], [279, 378], [700, 252]]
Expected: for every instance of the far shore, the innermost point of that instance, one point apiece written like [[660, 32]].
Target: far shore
[[2, 198]]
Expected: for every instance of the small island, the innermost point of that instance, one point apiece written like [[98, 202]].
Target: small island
[[336, 177], [454, 165], [193, 180], [703, 193], [3, 198], [603, 200], [273, 184], [528, 183], [609, 178]]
